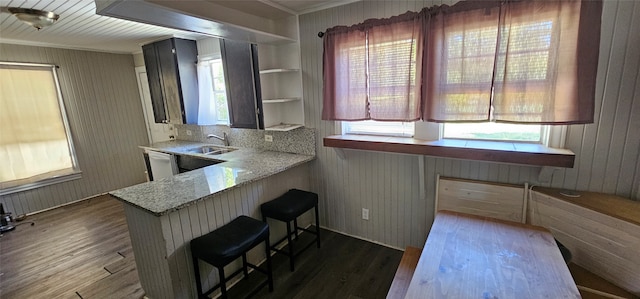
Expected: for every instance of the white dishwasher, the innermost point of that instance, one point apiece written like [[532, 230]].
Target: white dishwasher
[[162, 165]]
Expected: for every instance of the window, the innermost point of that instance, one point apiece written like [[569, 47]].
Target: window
[[519, 62], [495, 132], [527, 62], [35, 142], [370, 127], [213, 109]]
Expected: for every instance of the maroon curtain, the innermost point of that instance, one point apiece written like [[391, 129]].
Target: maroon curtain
[[547, 62], [372, 70], [513, 61]]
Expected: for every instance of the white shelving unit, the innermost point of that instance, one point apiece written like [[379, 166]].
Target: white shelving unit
[[283, 127], [281, 83], [275, 101], [275, 71]]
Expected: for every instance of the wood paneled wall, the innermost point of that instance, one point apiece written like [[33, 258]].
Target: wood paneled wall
[[105, 115], [607, 151]]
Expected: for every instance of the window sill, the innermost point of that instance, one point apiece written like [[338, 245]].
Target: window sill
[[24, 185], [502, 152]]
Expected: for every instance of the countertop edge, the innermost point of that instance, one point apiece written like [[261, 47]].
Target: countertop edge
[[271, 172]]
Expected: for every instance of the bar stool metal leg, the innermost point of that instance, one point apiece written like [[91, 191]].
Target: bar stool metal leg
[[269, 269], [223, 283], [290, 246], [295, 227], [196, 269], [317, 226], [244, 266]]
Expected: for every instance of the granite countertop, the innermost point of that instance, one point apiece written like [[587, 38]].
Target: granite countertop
[[242, 166]]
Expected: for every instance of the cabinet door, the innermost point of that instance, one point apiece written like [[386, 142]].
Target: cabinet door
[[241, 81], [187, 59], [169, 76], [155, 85]]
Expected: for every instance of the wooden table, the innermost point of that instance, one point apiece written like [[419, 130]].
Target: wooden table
[[469, 256]]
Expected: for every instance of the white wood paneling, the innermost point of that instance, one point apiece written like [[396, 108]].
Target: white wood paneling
[[162, 243], [79, 27], [208, 47], [105, 118], [607, 151]]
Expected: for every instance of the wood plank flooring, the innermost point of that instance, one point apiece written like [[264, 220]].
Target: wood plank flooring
[[84, 251], [344, 267], [66, 252]]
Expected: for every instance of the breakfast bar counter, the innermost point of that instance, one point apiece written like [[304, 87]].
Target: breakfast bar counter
[[239, 167], [163, 216]]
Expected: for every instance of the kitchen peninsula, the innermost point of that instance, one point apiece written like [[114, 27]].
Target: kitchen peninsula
[[164, 215]]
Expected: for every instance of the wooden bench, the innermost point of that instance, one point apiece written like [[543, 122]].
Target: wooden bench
[[601, 230], [404, 273]]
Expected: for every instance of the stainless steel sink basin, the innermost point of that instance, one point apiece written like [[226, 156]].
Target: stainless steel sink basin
[[211, 150]]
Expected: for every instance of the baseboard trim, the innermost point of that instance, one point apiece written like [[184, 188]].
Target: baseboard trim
[[65, 204]]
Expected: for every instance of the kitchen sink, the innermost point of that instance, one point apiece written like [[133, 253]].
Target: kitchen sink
[[188, 163], [211, 150]]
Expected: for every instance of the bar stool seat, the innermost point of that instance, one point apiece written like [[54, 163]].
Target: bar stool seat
[[227, 243], [288, 208]]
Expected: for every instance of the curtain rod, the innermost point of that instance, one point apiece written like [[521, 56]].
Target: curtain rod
[[320, 34]]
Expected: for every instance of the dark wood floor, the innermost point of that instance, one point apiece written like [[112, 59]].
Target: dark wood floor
[[84, 251], [78, 251], [343, 267]]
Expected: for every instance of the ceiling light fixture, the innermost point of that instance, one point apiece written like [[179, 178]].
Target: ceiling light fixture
[[36, 18]]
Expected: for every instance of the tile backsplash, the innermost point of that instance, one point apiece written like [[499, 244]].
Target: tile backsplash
[[297, 141]]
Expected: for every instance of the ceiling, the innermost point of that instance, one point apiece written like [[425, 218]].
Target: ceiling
[[79, 27]]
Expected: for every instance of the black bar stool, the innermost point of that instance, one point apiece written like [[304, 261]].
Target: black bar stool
[[288, 208], [227, 243]]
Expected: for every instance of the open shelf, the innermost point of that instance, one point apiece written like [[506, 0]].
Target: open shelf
[[274, 71], [281, 100], [283, 127]]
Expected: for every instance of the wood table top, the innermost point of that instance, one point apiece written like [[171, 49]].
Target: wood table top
[[469, 256]]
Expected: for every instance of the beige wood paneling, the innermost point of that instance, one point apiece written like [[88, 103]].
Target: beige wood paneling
[[107, 125], [500, 201], [607, 152]]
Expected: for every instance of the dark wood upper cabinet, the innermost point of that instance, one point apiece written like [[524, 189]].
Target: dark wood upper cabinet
[[242, 77], [173, 80]]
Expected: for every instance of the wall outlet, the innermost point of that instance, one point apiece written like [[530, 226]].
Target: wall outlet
[[189, 133], [365, 214], [268, 138]]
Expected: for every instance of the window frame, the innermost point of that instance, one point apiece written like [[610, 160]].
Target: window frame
[[215, 91], [346, 128], [553, 136], [56, 176]]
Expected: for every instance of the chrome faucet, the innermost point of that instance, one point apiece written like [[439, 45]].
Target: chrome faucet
[[224, 138]]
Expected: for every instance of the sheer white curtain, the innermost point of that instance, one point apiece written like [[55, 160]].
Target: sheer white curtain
[[212, 109], [206, 108]]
